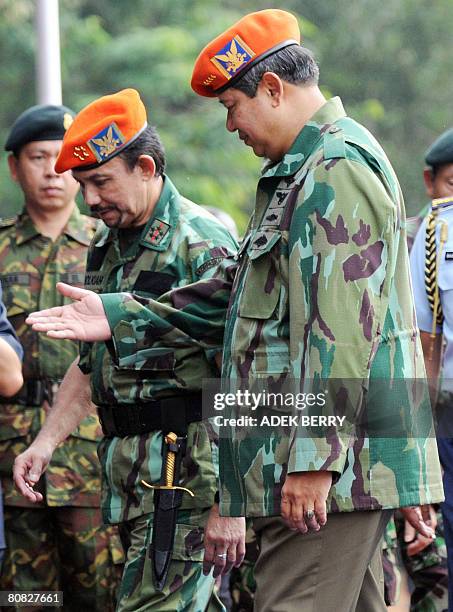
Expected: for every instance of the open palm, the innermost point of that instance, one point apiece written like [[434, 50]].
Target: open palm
[[84, 319]]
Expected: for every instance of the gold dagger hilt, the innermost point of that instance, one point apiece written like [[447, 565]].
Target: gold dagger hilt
[[170, 439]]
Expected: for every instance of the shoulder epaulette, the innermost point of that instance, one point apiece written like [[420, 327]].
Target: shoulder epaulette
[[8, 221], [441, 204], [334, 143]]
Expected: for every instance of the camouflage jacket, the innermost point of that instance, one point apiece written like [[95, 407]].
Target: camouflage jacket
[[326, 251], [321, 293], [30, 266], [180, 243]]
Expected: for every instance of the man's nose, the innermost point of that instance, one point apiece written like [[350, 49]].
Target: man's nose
[[230, 123], [90, 195], [49, 167]]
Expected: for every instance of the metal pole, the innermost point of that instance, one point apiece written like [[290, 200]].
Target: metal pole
[[48, 70]]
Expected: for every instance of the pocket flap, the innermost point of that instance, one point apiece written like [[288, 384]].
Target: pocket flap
[[159, 359], [263, 241]]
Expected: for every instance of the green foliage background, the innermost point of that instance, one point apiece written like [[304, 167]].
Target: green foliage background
[[389, 61]]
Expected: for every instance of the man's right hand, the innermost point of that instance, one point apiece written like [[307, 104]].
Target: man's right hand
[[28, 468]]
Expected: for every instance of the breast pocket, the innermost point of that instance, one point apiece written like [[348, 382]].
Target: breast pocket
[[262, 281], [19, 292]]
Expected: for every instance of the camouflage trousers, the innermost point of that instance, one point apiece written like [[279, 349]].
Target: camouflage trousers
[[62, 549], [427, 570], [186, 588]]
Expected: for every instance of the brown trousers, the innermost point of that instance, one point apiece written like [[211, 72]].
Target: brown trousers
[[338, 569]]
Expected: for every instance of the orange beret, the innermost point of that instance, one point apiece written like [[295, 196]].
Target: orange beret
[[229, 56], [102, 130]]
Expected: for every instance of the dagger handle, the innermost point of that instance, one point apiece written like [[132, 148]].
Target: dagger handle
[[170, 439]]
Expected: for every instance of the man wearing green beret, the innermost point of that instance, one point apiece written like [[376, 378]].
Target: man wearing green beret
[[432, 277], [59, 543]]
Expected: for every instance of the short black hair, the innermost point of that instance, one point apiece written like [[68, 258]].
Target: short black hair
[[293, 64], [148, 143]]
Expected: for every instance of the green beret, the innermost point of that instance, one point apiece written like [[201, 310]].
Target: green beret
[[42, 122], [441, 151]]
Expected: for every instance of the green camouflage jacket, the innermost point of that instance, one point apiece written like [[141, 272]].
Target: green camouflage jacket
[[30, 266], [181, 243], [321, 294], [326, 251]]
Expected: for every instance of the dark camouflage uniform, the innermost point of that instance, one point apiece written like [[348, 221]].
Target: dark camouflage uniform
[[63, 535], [328, 229], [181, 243]]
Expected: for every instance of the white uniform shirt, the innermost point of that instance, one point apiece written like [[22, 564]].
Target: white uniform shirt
[[445, 280]]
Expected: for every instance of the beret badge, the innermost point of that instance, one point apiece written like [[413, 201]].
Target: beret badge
[[232, 57], [67, 120], [106, 142]]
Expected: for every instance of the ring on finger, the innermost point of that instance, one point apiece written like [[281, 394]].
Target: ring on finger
[[222, 555], [309, 514]]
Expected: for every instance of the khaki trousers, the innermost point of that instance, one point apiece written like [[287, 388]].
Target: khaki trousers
[[337, 569]]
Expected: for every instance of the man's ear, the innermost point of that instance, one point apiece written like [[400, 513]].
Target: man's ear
[[272, 85], [429, 179], [12, 163], [147, 167]]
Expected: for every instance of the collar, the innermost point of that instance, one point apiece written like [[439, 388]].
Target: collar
[[160, 227], [440, 205], [307, 139], [77, 228]]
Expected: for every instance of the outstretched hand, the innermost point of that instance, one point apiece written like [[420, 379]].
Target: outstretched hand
[[84, 319]]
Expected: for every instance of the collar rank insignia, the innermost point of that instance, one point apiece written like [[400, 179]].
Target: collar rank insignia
[[106, 142], [157, 231], [233, 57]]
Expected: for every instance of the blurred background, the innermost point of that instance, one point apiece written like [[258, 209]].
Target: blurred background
[[389, 61]]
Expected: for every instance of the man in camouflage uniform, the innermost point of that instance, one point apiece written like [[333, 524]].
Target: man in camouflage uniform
[[432, 276], [155, 240], [328, 230], [58, 543]]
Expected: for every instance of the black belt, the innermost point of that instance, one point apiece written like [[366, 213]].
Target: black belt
[[167, 414], [34, 392]]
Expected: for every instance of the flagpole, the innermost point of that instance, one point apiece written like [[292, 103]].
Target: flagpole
[[48, 68]]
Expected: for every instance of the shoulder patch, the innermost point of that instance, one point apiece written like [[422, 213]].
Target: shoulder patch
[[8, 221], [334, 143]]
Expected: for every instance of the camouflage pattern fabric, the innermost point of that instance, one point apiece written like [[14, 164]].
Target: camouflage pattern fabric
[[31, 265], [179, 244], [328, 228], [428, 569], [63, 549], [186, 588]]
